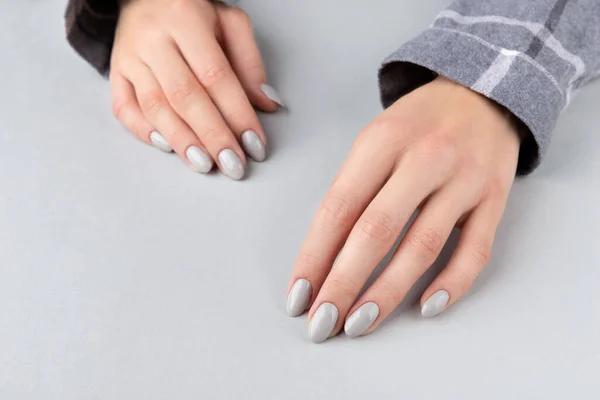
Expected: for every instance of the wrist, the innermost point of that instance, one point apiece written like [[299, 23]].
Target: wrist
[[472, 97]]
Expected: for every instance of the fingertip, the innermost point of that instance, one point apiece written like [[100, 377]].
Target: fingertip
[[268, 106], [273, 96], [199, 160], [360, 322], [259, 99], [435, 304], [254, 145], [298, 298], [232, 164], [158, 141], [322, 325]]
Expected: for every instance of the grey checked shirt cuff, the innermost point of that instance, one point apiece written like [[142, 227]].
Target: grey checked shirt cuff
[[529, 56]]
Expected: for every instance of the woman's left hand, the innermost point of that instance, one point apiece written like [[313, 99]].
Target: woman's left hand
[[442, 149]]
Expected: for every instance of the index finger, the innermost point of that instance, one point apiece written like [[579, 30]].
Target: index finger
[[358, 181]]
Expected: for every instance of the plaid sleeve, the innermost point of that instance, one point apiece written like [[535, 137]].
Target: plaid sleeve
[[529, 56]]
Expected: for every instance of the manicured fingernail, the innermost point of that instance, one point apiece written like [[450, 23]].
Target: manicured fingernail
[[200, 161], [231, 164], [361, 319], [435, 304], [298, 298], [160, 142], [254, 146], [272, 94], [323, 322]]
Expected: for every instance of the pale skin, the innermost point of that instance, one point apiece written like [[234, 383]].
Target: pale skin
[[442, 148], [192, 71]]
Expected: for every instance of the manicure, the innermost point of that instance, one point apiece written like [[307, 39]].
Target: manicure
[[253, 146], [323, 322], [231, 164], [272, 94], [435, 304], [199, 160], [298, 298], [361, 320], [160, 142]]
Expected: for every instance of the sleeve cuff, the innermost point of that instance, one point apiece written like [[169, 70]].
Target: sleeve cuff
[[90, 26], [510, 78]]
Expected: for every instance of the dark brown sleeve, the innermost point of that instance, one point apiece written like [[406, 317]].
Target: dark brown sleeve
[[90, 26]]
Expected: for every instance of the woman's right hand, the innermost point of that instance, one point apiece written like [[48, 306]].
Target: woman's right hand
[[184, 76]]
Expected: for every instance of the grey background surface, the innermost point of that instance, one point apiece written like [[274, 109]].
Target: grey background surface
[[124, 275]]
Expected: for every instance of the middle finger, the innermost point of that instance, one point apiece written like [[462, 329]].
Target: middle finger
[[212, 69]]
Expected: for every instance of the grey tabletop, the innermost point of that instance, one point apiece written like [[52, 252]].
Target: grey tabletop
[[124, 275]]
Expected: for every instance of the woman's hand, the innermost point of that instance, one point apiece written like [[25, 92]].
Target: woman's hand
[[442, 149], [184, 76]]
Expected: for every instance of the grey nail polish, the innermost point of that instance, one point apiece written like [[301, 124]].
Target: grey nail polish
[[200, 161], [231, 164], [253, 146], [272, 94], [160, 142], [298, 298], [361, 319], [323, 322], [435, 304]]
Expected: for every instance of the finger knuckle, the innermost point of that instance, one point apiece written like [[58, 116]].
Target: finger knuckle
[[309, 261], [377, 227], [213, 74], [496, 189], [334, 212], [362, 137], [120, 108], [139, 128], [182, 5], [389, 292], [182, 93], [471, 164], [210, 135], [392, 131], [240, 17], [471, 174], [383, 124], [342, 285], [152, 102], [462, 280], [481, 252], [237, 114], [426, 244], [438, 149], [147, 36]]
